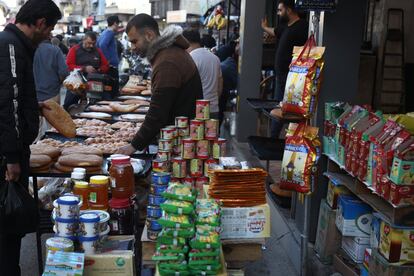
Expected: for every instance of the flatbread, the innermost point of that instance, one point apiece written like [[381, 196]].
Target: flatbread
[[100, 108], [39, 160], [68, 169], [123, 107], [133, 117], [42, 149], [94, 115], [59, 119], [81, 160], [82, 150]]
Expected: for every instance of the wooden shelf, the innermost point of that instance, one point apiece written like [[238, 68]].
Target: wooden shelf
[[398, 216]]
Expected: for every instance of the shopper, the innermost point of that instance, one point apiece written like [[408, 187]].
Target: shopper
[[293, 31], [175, 85], [208, 66], [107, 42], [89, 59], [19, 108], [62, 46]]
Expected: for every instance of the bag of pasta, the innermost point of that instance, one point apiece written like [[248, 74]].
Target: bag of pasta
[[75, 82], [299, 165], [304, 79]]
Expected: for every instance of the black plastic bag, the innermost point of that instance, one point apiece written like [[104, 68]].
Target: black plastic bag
[[18, 210]]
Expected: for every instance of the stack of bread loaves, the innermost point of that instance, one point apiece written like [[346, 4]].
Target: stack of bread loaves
[[42, 157], [81, 156]]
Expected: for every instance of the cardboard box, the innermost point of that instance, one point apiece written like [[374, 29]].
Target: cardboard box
[[355, 247], [344, 267], [334, 191], [396, 243], [401, 195], [246, 222], [402, 171], [328, 238], [353, 217], [114, 262], [379, 266]]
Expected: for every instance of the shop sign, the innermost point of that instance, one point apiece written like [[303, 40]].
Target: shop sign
[[316, 5], [179, 16]]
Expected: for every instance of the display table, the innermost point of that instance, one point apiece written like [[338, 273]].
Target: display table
[[237, 253]]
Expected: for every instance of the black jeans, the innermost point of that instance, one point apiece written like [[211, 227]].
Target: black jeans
[[114, 74], [276, 126], [10, 242]]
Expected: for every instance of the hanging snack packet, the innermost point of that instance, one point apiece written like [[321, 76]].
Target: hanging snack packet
[[204, 229], [174, 265], [173, 272], [204, 253], [165, 249], [168, 257], [175, 221], [211, 240], [177, 207], [183, 233], [209, 260], [179, 191], [209, 217], [304, 79], [299, 165]]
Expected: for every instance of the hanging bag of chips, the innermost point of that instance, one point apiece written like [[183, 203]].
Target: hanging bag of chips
[[304, 79], [302, 150]]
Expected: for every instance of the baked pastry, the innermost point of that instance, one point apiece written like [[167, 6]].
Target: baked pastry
[[138, 102], [124, 108], [81, 160], [68, 169], [146, 92], [95, 115], [100, 108], [39, 149], [39, 160], [121, 125], [82, 150], [107, 102], [133, 117], [59, 118]]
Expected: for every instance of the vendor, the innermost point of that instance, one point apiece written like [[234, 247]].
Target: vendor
[[87, 57], [176, 84]]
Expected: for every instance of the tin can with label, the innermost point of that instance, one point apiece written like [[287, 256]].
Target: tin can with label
[[176, 180], [179, 167], [181, 122], [177, 151], [160, 178], [203, 109], [189, 181], [197, 130], [158, 189], [211, 129], [188, 148], [163, 155], [164, 144], [207, 165], [160, 166], [154, 211], [219, 148], [183, 132], [153, 225], [167, 133], [199, 186], [196, 168], [202, 149], [174, 129], [155, 200]]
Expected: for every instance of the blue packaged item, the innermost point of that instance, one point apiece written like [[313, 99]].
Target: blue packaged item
[[161, 178], [153, 225], [155, 200], [158, 189], [353, 217], [154, 211]]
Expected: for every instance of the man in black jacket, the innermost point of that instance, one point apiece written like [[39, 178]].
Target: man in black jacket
[[19, 108]]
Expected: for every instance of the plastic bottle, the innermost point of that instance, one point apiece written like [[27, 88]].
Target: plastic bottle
[[122, 177]]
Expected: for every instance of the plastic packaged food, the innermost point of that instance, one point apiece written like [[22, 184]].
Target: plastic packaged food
[[183, 233], [204, 253], [165, 249], [66, 227], [170, 239], [59, 244], [173, 272], [179, 191], [158, 256], [175, 221], [89, 225], [103, 219], [89, 245], [81, 189], [67, 207], [98, 192], [206, 260], [209, 217], [177, 207], [122, 216], [122, 177], [212, 240]]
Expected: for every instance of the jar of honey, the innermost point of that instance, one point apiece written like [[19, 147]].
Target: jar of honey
[[98, 192], [121, 211], [81, 189], [122, 177]]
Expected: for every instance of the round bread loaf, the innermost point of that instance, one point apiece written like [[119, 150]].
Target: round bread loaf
[[59, 119], [39, 160], [43, 169], [82, 150], [81, 160], [68, 169], [43, 149]]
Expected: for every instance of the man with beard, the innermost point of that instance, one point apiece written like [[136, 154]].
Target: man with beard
[[293, 31], [19, 109], [175, 85], [88, 58]]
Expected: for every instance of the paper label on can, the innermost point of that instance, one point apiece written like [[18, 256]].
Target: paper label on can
[[92, 197], [114, 224]]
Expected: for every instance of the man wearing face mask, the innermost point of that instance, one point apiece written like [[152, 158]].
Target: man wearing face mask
[[19, 110], [292, 31], [176, 83], [88, 58]]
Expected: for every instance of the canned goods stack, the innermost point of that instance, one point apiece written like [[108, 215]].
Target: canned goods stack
[[159, 183]]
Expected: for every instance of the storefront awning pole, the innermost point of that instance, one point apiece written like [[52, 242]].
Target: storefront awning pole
[[228, 20]]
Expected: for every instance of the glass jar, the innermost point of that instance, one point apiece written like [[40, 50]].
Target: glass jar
[[121, 211], [81, 189], [98, 192], [122, 177]]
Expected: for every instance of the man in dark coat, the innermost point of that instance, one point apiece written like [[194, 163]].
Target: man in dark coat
[[19, 108], [175, 81]]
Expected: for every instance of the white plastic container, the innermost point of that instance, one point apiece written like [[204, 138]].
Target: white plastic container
[[59, 244], [89, 245], [89, 225], [67, 207], [103, 236], [103, 218], [66, 227]]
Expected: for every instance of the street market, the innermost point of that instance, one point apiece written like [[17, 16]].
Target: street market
[[233, 137]]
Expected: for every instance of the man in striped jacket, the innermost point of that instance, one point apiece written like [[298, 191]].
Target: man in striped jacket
[[19, 109]]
